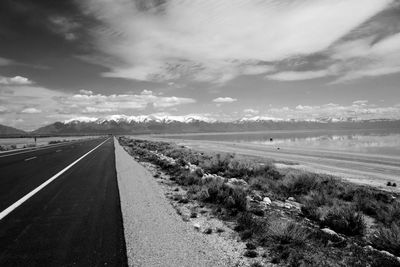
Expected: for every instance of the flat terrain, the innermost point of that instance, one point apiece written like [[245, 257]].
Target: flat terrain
[[359, 168], [74, 220]]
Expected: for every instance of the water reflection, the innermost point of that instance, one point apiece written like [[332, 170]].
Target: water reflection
[[380, 144]]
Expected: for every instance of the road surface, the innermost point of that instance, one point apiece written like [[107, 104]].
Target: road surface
[[73, 220]]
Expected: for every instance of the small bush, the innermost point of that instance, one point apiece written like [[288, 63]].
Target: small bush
[[310, 210], [387, 238], [249, 225], [251, 254], [345, 220], [286, 233]]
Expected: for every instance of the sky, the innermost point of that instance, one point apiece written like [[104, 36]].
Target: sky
[[220, 59]]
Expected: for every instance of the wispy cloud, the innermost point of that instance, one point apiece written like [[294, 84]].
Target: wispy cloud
[[224, 100], [298, 75], [31, 111], [216, 41]]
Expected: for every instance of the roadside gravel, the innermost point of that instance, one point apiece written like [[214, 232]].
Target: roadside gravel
[[155, 234]]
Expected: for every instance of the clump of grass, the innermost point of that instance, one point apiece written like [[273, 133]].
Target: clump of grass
[[345, 220], [387, 238], [286, 233], [249, 225], [218, 192]]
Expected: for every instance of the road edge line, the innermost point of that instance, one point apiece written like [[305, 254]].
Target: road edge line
[[19, 202]]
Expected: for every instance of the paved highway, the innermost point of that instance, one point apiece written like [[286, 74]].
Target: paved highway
[[60, 206]]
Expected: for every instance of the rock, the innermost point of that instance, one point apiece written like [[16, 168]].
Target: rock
[[278, 203], [291, 199], [257, 197], [237, 182], [333, 236], [197, 226], [206, 178], [267, 201], [329, 231]]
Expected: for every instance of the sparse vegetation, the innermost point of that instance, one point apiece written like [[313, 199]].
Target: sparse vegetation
[[387, 238], [326, 201]]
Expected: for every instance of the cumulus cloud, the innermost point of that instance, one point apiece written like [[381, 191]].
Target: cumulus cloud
[[224, 100], [16, 80], [216, 41], [31, 111], [85, 92], [98, 103]]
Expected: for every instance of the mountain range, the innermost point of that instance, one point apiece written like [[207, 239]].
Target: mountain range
[[122, 124], [10, 131]]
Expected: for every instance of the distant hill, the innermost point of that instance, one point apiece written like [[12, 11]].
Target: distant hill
[[10, 131], [151, 124]]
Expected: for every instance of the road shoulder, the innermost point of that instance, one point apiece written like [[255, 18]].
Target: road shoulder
[[155, 235]]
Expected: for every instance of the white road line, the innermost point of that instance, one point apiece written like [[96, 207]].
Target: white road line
[[8, 210], [30, 158]]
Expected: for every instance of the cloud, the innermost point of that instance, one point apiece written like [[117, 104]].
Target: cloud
[[365, 58], [17, 80], [224, 100], [98, 103], [5, 61], [3, 110], [31, 111], [64, 26], [298, 75], [250, 111], [359, 109], [216, 41], [85, 92]]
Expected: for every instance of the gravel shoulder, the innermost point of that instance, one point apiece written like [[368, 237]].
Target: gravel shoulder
[[155, 234]]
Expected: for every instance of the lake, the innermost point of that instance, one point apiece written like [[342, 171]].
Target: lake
[[379, 142]]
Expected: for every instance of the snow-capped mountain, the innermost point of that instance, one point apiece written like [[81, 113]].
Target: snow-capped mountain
[[162, 123], [141, 119]]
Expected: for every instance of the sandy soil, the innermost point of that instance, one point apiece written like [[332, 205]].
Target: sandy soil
[[367, 169]]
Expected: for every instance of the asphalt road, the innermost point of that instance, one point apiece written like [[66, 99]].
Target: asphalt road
[[74, 220]]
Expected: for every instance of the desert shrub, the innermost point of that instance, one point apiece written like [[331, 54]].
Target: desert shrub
[[345, 220], [218, 192], [217, 164], [310, 210], [250, 225], [389, 213], [187, 179], [298, 184], [286, 233], [387, 238]]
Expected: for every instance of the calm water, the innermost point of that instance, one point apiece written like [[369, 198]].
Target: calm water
[[384, 142]]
